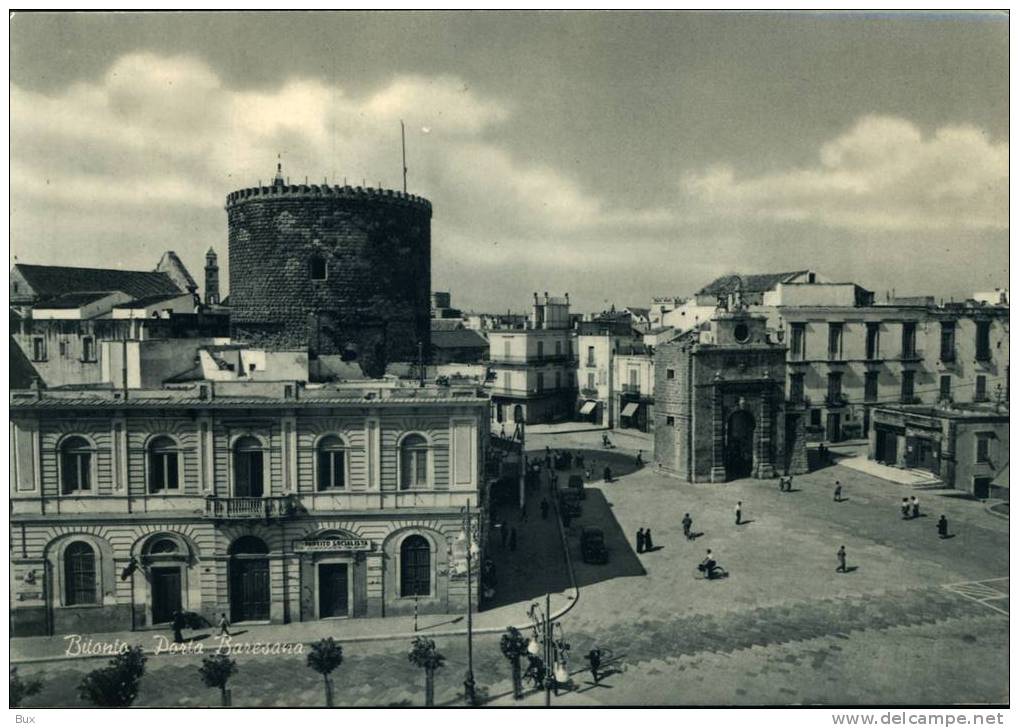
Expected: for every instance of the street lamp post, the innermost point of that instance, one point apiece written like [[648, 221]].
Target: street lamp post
[[542, 625], [470, 692]]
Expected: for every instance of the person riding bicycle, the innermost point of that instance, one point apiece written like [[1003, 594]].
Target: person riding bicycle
[[708, 566]]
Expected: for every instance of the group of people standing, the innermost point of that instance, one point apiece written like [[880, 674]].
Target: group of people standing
[[644, 542]]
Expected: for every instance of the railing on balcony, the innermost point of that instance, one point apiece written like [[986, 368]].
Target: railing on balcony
[[835, 399], [242, 508], [566, 358], [588, 392], [631, 389]]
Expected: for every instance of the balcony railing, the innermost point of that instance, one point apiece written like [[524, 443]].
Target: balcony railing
[[631, 389], [588, 392], [247, 508], [835, 400]]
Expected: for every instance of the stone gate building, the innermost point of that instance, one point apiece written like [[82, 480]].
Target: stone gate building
[[720, 407]]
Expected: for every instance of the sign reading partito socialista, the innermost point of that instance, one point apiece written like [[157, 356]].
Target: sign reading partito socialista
[[334, 544]]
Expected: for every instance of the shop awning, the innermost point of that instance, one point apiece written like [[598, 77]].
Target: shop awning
[[588, 407], [630, 409]]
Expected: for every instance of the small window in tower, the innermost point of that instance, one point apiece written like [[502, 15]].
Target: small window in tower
[[317, 268]]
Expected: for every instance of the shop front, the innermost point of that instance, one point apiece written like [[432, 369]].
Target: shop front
[[334, 576]]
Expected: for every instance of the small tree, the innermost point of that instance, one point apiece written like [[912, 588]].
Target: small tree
[[115, 686], [326, 656], [216, 670], [424, 655], [514, 646], [21, 689]]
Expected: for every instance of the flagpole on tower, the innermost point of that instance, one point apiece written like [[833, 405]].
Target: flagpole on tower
[[403, 147]]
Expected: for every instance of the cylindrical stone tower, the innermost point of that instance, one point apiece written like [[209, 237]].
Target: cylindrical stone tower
[[336, 270]]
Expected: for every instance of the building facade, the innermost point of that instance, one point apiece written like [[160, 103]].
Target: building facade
[[270, 502], [634, 393], [598, 343], [533, 370], [965, 446]]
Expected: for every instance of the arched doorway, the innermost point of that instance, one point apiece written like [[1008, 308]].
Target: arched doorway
[[165, 559], [739, 445], [249, 579]]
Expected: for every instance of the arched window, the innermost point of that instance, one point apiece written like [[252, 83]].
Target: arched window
[[80, 574], [75, 465], [164, 465], [163, 546], [414, 462], [331, 463], [248, 468], [317, 268], [415, 567]]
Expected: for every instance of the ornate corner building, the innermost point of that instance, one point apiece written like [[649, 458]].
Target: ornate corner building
[[269, 503]]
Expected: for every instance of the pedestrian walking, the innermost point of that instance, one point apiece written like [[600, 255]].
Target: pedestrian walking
[[224, 625], [942, 527], [905, 508], [739, 512], [640, 540], [648, 543], [594, 660], [177, 624], [916, 507], [513, 539], [608, 474], [640, 459], [687, 523], [781, 484], [841, 555], [544, 509], [838, 492]]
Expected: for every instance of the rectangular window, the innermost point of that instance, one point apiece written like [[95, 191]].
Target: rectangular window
[[983, 340], [163, 471], [63, 348], [88, 349], [835, 388], [38, 348], [796, 387], [984, 448], [873, 340], [870, 387], [834, 342], [590, 356], [558, 380], [908, 340], [541, 382], [945, 387], [670, 373], [798, 341], [559, 348], [331, 473], [541, 349], [981, 392], [670, 420], [590, 380], [948, 341], [506, 344], [421, 467], [908, 378], [815, 417]]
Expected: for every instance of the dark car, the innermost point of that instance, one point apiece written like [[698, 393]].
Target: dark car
[[576, 485], [569, 506], [592, 546]]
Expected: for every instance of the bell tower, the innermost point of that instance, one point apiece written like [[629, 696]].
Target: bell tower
[[211, 278]]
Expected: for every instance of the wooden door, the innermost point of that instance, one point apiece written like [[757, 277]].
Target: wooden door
[[249, 589], [165, 593], [332, 591]]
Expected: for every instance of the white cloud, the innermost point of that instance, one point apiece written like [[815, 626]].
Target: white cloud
[[882, 174]]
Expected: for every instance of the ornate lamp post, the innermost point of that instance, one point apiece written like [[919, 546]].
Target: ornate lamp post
[[470, 535], [543, 643]]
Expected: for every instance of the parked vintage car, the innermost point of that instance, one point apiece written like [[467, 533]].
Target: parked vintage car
[[576, 485], [592, 546], [569, 506]]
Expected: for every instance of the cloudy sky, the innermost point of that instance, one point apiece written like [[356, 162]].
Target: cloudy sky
[[614, 156]]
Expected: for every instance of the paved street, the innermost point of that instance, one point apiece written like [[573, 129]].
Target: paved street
[[916, 619]]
